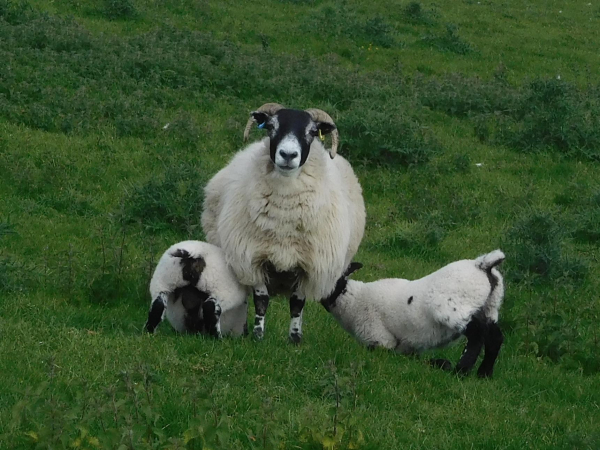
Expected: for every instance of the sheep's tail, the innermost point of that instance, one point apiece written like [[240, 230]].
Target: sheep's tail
[[487, 263]]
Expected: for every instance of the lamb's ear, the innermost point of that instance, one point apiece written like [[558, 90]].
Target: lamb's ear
[[353, 267]]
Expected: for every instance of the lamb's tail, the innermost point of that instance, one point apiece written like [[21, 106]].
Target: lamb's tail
[[191, 265], [487, 263], [181, 253], [489, 260]]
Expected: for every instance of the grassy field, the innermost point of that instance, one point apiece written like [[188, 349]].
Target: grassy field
[[471, 125]]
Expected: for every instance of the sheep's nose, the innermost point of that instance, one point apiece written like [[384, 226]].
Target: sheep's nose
[[288, 156]]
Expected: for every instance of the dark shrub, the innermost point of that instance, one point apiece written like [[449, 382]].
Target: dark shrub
[[448, 42], [534, 250], [383, 134], [120, 9], [555, 114], [172, 201], [461, 96], [15, 12], [415, 13], [379, 32]]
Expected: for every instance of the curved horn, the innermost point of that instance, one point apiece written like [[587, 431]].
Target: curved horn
[[318, 115], [268, 108]]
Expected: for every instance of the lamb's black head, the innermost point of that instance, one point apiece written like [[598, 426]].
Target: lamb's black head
[[340, 286], [291, 133]]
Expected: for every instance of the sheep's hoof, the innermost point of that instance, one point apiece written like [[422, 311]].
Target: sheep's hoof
[[441, 363], [259, 333], [295, 338]]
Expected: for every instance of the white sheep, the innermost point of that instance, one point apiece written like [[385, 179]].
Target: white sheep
[[412, 316], [197, 291], [286, 214]]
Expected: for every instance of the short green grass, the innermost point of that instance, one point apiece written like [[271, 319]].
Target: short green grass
[[471, 125]]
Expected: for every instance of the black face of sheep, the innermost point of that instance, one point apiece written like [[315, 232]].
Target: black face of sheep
[[291, 134]]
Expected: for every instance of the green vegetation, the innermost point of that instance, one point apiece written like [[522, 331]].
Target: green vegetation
[[471, 125]]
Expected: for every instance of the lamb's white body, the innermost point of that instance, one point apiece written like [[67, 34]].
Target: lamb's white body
[[214, 279], [413, 316], [312, 221]]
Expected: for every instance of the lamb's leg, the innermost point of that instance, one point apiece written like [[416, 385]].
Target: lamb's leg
[[475, 333], [261, 303], [211, 313], [297, 301], [493, 341], [157, 312]]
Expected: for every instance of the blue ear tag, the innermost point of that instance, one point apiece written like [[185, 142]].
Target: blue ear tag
[[261, 125]]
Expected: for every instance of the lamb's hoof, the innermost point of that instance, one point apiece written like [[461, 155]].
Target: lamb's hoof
[[295, 338], [441, 363], [216, 335], [259, 333], [484, 373], [462, 371]]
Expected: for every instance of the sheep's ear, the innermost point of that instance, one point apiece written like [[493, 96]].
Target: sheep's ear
[[260, 117], [353, 267], [325, 127]]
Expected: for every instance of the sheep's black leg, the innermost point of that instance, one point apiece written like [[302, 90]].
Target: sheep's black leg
[[475, 333], [211, 313], [493, 341], [261, 303], [156, 313], [297, 302]]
